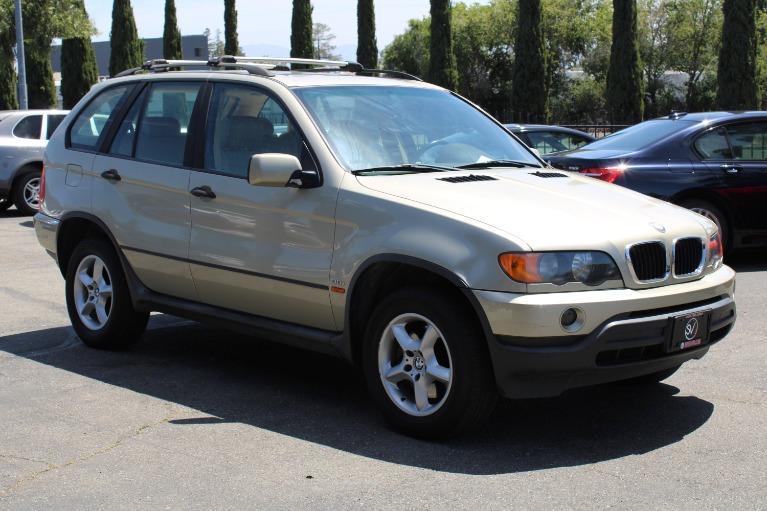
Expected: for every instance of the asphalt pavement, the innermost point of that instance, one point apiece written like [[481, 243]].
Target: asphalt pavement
[[198, 418]]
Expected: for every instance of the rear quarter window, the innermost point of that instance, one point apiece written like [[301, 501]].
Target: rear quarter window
[[29, 127]]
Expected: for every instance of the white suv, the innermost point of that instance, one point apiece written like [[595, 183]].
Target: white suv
[[378, 218]]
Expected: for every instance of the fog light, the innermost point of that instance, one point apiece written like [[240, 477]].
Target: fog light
[[572, 319], [569, 317]]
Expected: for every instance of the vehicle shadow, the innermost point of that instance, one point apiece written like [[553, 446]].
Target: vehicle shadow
[[322, 400], [748, 260], [13, 213]]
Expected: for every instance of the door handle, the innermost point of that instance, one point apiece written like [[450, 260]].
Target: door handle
[[203, 191], [730, 169], [111, 175]]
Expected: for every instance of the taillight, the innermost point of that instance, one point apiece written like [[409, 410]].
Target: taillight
[[609, 174], [41, 193]]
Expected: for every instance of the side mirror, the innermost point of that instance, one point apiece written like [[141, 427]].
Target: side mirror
[[280, 170]]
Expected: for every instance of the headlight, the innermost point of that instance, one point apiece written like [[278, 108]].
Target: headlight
[[590, 268], [715, 251]]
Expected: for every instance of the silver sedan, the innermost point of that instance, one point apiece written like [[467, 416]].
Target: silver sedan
[[23, 137]]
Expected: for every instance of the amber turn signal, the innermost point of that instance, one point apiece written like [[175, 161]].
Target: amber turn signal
[[521, 267]]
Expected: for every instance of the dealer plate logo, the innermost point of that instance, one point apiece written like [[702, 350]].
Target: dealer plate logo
[[691, 329]]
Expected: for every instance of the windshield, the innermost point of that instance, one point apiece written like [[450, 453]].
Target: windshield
[[640, 135], [374, 127]]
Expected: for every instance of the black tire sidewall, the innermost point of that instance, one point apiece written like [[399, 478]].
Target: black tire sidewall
[[124, 324], [473, 393], [18, 192]]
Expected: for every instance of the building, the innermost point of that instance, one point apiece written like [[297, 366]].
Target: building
[[193, 47]]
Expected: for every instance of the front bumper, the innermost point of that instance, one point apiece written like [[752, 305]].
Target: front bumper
[[629, 340]]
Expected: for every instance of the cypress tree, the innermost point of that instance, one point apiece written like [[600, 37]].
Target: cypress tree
[[41, 91], [127, 49], [231, 42], [171, 36], [736, 75], [301, 30], [624, 95], [78, 68], [367, 47], [528, 92], [8, 81], [442, 65]]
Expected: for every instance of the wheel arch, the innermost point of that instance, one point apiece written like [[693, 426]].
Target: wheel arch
[[382, 274], [25, 168], [715, 200]]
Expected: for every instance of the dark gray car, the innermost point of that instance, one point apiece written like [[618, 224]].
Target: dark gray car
[[23, 137]]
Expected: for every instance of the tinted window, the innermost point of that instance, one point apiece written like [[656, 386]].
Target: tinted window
[[92, 122], [124, 140], [243, 121], [552, 141], [713, 145], [29, 127], [749, 141], [164, 123], [372, 126], [53, 123], [640, 135]]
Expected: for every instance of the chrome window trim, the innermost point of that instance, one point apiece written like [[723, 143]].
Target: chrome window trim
[[630, 265], [701, 264]]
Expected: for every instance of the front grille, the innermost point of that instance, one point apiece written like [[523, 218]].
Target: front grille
[[688, 256], [467, 179], [648, 260]]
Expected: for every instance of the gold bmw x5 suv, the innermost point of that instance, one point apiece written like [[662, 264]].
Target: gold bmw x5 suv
[[376, 217]]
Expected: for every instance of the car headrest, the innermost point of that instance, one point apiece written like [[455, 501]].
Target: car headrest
[[161, 127]]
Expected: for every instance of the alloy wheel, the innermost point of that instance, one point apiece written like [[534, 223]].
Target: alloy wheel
[[32, 193], [93, 292], [415, 365], [711, 216]]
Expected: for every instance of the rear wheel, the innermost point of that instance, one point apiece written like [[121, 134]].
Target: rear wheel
[[26, 193], [98, 299], [5, 204], [714, 214], [426, 364]]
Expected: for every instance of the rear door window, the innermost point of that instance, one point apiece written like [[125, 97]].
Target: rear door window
[[748, 141], [29, 127], [164, 123], [713, 145], [92, 122]]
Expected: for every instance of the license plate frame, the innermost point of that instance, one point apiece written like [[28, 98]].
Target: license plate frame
[[689, 331]]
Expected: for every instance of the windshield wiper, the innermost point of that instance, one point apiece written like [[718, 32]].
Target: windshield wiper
[[496, 163], [414, 168]]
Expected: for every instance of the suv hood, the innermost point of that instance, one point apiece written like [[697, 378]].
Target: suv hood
[[548, 213]]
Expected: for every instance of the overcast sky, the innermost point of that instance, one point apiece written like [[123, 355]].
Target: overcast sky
[[263, 22]]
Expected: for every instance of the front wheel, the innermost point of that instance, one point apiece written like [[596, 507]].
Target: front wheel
[[426, 364], [98, 299]]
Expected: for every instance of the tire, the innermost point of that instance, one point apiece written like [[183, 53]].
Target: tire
[[108, 321], [652, 378], [5, 204], [714, 214], [465, 393], [26, 192]]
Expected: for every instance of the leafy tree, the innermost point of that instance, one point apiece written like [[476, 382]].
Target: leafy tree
[[127, 49], [323, 42], [367, 47], [694, 38], [171, 36], [301, 30], [8, 79], [737, 57], [655, 50], [624, 77], [442, 64], [528, 92], [409, 52], [78, 67], [215, 44], [231, 41]]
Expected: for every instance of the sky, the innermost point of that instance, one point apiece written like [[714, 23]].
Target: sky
[[265, 23]]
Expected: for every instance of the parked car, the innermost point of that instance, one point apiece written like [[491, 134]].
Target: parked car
[[390, 223], [714, 163], [23, 136], [550, 139]]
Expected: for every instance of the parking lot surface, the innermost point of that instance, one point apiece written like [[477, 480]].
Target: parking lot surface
[[198, 418]]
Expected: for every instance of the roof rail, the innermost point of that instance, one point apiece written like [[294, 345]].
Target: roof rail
[[261, 66]]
